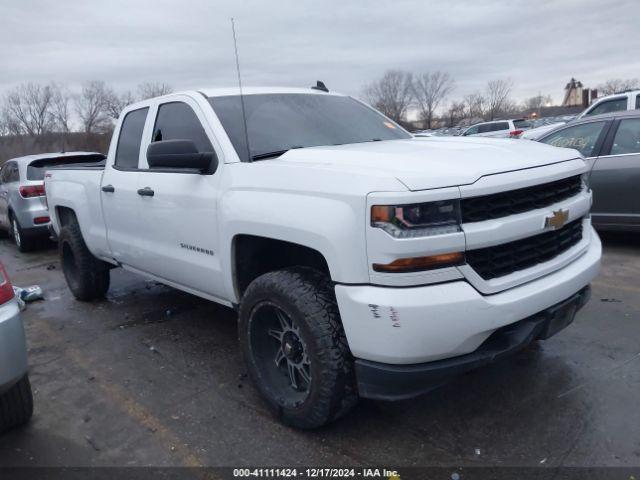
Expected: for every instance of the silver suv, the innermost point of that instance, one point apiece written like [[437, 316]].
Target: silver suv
[[16, 400], [23, 209]]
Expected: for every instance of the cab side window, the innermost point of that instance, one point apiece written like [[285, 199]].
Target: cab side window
[[130, 138], [581, 137], [498, 126], [627, 138], [472, 130], [614, 105], [487, 127], [178, 121]]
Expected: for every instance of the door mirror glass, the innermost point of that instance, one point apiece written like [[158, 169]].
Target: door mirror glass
[[180, 154]]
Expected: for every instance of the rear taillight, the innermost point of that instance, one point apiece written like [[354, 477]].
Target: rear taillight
[[516, 133], [41, 220], [6, 289], [30, 191]]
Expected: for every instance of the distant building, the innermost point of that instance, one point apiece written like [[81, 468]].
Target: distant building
[[575, 95]]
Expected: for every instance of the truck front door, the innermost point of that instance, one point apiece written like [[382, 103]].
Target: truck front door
[[178, 229]]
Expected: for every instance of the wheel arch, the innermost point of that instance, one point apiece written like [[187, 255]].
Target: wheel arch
[[254, 255]]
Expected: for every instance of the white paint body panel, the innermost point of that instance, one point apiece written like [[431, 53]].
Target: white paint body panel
[[449, 319], [321, 198]]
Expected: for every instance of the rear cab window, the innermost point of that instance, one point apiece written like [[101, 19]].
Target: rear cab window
[[614, 105], [130, 139]]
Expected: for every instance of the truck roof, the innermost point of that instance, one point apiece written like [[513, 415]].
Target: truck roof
[[228, 91]]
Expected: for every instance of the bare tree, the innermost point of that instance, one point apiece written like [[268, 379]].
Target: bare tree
[[153, 89], [28, 109], [60, 109], [537, 102], [115, 103], [498, 101], [429, 90], [475, 104], [392, 94], [617, 85], [455, 113], [91, 107]]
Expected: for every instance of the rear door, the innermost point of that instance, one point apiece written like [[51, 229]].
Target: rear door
[[615, 178], [119, 190], [178, 227]]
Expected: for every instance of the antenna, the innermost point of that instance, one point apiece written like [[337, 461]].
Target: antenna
[[244, 115]]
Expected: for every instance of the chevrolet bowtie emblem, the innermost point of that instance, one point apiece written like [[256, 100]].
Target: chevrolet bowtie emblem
[[557, 220]]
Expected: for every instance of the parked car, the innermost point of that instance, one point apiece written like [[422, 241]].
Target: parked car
[[498, 128], [618, 102], [16, 401], [610, 144], [23, 211], [537, 132], [363, 262]]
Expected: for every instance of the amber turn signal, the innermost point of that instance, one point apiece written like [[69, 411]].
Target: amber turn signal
[[418, 264], [381, 213]]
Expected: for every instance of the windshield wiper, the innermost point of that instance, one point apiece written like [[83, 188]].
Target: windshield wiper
[[276, 153]]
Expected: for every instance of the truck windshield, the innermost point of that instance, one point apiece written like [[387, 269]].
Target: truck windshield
[[279, 122]]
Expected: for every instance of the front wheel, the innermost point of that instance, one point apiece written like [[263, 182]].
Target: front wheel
[[295, 348]]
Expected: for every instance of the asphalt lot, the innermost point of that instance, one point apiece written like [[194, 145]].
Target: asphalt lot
[[153, 376]]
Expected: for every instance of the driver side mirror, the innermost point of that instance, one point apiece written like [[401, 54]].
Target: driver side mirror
[[180, 154]]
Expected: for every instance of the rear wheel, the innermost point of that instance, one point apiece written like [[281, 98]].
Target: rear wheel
[[24, 244], [16, 405], [295, 348], [88, 277]]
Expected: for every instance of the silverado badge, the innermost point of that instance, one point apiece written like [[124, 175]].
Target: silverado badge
[[557, 220]]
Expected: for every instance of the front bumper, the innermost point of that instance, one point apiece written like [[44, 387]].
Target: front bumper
[[412, 325], [396, 382], [13, 347]]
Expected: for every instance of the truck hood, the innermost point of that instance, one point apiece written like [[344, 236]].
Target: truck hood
[[432, 162]]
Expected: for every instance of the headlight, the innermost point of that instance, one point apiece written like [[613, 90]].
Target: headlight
[[418, 219], [586, 183]]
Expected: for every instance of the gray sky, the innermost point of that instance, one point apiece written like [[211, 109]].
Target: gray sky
[[540, 45]]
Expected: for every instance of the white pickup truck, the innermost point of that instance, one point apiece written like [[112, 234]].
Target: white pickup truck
[[363, 262]]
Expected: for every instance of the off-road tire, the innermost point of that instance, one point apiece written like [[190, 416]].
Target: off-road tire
[[308, 298], [87, 277], [16, 405]]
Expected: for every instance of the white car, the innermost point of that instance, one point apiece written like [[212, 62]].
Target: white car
[[16, 401], [614, 103], [536, 133], [363, 262], [498, 128]]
